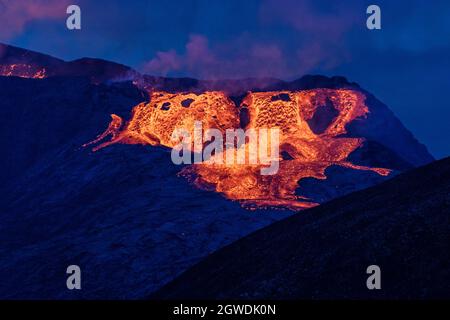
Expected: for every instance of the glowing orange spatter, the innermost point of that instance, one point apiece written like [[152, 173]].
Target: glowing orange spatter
[[312, 143], [22, 70]]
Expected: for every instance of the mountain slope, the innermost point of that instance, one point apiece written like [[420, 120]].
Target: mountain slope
[[381, 126], [402, 225], [24, 63], [123, 213], [39, 116]]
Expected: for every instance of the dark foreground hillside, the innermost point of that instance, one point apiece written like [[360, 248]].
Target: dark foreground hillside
[[402, 225]]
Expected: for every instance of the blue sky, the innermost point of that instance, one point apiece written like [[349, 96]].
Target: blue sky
[[406, 64]]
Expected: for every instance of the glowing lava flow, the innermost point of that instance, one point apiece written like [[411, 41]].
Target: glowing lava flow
[[154, 122], [312, 123], [23, 71]]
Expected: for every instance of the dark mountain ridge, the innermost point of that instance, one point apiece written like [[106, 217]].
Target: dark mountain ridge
[[20, 62], [101, 70]]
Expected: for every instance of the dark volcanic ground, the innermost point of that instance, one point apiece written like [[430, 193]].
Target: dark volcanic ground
[[402, 225]]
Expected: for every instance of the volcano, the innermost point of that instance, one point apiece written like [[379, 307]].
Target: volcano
[[113, 202]]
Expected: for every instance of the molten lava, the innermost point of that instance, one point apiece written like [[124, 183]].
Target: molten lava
[[22, 70], [154, 122], [313, 137]]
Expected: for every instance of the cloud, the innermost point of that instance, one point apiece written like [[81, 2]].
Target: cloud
[[316, 42], [15, 15], [164, 62], [238, 58]]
